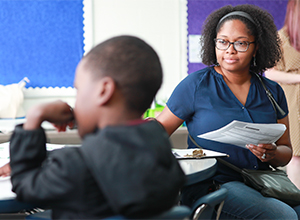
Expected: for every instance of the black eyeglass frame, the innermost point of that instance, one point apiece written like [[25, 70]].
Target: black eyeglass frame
[[233, 43]]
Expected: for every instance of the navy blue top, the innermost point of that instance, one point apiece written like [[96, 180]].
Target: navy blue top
[[206, 103]]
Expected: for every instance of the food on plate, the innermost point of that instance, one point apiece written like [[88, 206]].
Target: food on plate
[[196, 154]]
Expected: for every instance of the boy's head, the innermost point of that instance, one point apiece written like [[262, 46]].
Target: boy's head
[[123, 66]]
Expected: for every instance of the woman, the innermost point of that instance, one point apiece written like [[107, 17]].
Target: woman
[[287, 73], [237, 42]]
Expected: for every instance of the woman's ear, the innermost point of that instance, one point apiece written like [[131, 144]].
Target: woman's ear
[[106, 90]]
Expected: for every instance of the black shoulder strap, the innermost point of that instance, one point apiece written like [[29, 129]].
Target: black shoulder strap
[[271, 98]]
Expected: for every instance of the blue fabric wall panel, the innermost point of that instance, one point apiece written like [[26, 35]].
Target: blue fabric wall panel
[[40, 39]]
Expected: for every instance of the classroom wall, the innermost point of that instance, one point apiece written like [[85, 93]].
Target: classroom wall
[[161, 23], [164, 24]]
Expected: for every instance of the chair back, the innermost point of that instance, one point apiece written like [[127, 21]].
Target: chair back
[[204, 208], [175, 213], [46, 215]]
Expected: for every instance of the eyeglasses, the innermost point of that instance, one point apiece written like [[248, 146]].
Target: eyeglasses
[[240, 46]]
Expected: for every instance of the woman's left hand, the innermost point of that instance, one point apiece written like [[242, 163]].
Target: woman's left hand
[[264, 152]]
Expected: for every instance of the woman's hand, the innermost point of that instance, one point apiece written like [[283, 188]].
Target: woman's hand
[[278, 154], [264, 152], [5, 170]]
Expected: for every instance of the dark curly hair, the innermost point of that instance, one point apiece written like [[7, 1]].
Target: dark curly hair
[[264, 31]]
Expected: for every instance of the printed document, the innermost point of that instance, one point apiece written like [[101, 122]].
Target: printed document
[[241, 133]]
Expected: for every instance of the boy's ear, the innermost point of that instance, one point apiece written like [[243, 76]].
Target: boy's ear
[[106, 90]]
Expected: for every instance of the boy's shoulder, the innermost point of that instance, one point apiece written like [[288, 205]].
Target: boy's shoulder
[[134, 163], [127, 138]]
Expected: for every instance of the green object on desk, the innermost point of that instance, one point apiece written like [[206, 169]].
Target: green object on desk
[[153, 112]]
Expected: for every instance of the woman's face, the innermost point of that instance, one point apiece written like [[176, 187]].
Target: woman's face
[[230, 59]]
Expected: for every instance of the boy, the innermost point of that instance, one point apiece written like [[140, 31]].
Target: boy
[[125, 165]]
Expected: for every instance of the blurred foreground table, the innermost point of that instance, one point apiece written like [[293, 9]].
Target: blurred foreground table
[[198, 170], [69, 137]]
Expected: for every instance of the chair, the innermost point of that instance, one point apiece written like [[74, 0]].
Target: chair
[[13, 206], [175, 213], [45, 215], [204, 207]]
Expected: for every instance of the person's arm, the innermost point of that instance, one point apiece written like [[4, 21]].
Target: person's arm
[[36, 177], [168, 120], [282, 77], [58, 113], [278, 154], [5, 170]]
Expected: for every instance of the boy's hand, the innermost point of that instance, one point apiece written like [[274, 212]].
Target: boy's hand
[[59, 113], [5, 170]]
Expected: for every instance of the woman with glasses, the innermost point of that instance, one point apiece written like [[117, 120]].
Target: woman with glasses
[[287, 73], [238, 44]]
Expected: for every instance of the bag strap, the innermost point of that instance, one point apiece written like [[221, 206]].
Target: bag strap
[[235, 168], [271, 98]]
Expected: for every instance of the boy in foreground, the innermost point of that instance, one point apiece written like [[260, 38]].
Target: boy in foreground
[[125, 165]]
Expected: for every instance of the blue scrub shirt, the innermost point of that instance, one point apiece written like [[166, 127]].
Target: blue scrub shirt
[[206, 103]]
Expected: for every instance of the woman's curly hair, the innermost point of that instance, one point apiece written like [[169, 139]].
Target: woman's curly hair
[[264, 31]]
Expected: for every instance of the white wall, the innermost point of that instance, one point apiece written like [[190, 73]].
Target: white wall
[[161, 23]]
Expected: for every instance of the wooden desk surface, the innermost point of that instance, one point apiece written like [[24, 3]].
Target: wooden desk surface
[[178, 138], [53, 137]]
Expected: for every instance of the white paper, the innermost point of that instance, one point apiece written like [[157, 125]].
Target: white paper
[[194, 49], [4, 150], [241, 133], [5, 186]]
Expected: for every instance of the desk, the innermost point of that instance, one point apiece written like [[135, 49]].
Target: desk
[[8, 203], [198, 170], [178, 138], [53, 137]]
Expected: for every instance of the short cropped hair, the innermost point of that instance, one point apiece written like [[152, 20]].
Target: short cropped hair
[[132, 64], [264, 30]]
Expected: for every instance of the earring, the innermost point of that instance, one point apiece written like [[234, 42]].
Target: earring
[[254, 61]]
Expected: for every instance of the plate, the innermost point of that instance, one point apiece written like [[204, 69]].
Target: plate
[[181, 154]]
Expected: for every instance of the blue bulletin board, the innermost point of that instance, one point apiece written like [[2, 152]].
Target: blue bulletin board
[[41, 40], [198, 10]]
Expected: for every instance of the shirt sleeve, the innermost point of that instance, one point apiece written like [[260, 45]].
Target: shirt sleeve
[[181, 101], [37, 177]]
